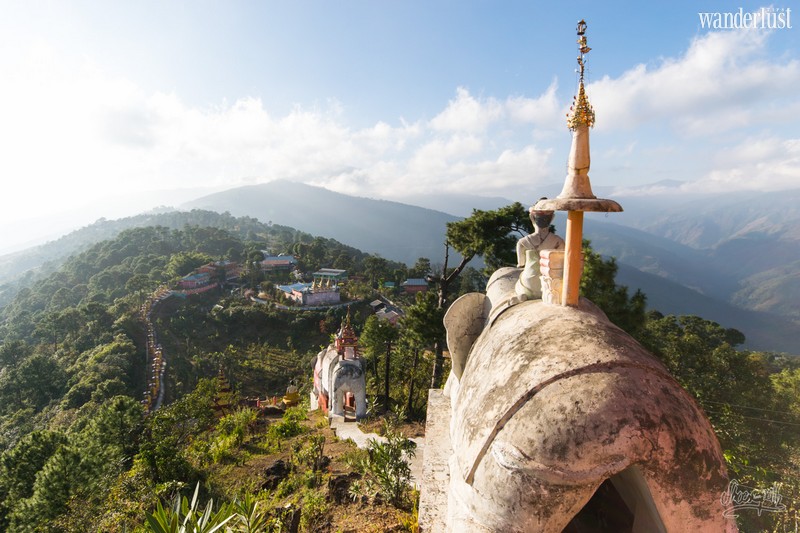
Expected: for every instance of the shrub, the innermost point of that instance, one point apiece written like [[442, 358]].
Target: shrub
[[387, 464], [315, 508], [289, 426], [237, 424], [310, 453]]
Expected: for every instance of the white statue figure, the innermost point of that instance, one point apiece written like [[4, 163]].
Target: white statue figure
[[528, 248]]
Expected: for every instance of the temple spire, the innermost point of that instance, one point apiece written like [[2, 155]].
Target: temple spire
[[576, 196], [579, 120], [581, 112]]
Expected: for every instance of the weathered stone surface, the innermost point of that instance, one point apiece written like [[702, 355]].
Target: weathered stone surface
[[526, 348], [435, 469], [555, 400], [464, 322]]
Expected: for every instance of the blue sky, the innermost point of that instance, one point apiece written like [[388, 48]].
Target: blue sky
[[108, 100]]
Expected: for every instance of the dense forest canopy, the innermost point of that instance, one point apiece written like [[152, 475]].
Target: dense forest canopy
[[74, 436]]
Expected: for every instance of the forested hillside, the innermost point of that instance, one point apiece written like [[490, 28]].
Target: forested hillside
[[72, 357], [20, 269], [78, 452], [742, 272]]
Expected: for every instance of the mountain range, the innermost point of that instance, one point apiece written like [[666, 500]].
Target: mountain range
[[393, 230], [731, 258]]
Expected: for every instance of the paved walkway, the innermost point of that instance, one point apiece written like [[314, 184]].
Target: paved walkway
[[350, 430]]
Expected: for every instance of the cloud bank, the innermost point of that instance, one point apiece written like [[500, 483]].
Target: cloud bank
[[725, 107]]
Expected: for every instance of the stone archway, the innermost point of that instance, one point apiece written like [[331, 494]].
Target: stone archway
[[622, 503], [345, 401], [349, 390]]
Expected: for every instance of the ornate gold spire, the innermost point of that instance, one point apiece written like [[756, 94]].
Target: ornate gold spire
[[577, 196], [581, 112]]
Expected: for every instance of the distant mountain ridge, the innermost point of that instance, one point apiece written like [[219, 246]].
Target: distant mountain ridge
[[703, 256], [678, 279], [392, 230], [708, 279], [750, 242], [707, 221]]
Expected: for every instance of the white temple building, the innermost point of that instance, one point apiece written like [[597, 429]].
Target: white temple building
[[339, 377]]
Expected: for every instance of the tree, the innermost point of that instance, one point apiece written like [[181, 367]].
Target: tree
[[470, 280], [421, 268], [48, 327], [317, 253], [598, 285], [489, 234], [55, 483], [139, 284], [424, 327], [380, 336], [183, 263], [34, 382], [375, 268], [19, 466], [701, 355], [169, 430], [69, 321], [13, 351], [97, 318], [112, 435], [343, 261]]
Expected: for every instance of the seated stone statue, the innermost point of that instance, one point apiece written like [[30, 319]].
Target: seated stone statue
[[528, 248]]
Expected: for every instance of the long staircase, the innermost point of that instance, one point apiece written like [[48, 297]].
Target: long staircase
[[156, 362]]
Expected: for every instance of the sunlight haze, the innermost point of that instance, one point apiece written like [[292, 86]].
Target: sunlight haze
[[111, 108]]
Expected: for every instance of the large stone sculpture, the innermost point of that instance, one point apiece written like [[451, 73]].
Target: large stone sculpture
[[559, 417], [553, 419]]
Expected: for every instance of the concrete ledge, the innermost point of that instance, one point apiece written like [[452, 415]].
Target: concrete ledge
[[435, 469]]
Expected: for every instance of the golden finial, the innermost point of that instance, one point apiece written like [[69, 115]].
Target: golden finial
[[581, 112]]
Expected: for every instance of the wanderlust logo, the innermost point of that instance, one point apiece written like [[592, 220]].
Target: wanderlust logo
[[771, 18]]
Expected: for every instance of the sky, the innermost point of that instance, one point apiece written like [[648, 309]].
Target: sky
[[111, 107]]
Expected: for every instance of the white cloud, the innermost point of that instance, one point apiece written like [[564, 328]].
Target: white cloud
[[468, 114], [544, 111], [761, 164], [510, 171], [725, 80], [73, 134]]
